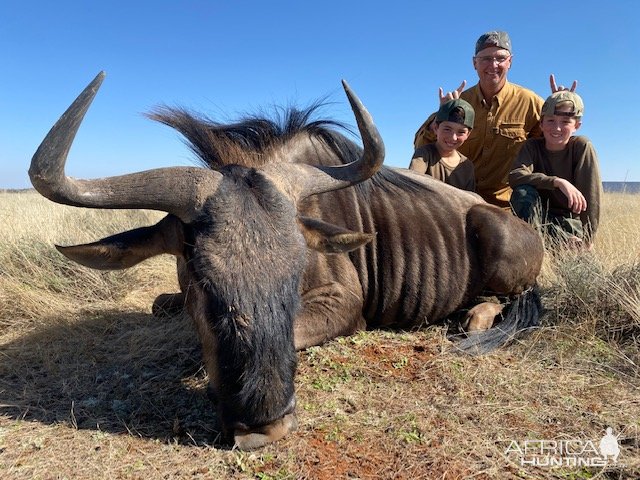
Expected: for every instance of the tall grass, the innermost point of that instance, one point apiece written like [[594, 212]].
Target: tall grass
[[618, 241], [598, 292], [37, 282]]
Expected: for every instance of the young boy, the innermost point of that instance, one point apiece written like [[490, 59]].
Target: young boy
[[441, 159], [560, 173]]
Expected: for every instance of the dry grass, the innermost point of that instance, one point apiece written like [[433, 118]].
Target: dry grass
[[92, 386]]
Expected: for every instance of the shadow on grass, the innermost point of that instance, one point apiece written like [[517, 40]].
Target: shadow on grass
[[118, 372]]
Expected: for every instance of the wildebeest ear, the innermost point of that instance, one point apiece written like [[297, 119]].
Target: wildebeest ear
[[328, 238], [127, 249]]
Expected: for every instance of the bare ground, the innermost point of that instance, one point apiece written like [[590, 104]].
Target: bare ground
[[91, 397]]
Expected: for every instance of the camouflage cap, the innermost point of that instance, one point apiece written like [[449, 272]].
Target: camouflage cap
[[552, 101], [447, 113], [493, 39]]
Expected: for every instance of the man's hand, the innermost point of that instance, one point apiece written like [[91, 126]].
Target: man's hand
[[444, 98], [575, 200], [558, 88]]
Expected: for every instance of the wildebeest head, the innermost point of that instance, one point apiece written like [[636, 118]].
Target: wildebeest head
[[235, 227]]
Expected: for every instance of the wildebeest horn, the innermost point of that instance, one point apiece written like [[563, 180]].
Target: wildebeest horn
[[177, 190], [309, 180]]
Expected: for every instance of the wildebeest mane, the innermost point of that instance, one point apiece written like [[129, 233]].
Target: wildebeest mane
[[389, 180], [248, 141]]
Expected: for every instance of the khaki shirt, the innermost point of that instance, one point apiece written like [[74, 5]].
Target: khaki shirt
[[427, 160], [499, 130], [577, 163]]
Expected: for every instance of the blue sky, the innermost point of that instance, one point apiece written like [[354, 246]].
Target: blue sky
[[226, 58]]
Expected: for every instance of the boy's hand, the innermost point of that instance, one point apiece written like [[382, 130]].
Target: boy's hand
[[575, 200], [444, 98], [557, 88]]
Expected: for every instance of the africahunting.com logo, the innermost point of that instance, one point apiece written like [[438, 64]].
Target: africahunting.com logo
[[572, 452]]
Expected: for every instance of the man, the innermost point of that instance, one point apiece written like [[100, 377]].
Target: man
[[506, 115]]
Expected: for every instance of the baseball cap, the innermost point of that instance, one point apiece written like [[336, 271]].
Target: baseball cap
[[447, 113], [493, 39], [552, 101]]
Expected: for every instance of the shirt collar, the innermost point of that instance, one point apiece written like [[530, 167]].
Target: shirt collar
[[504, 92], [500, 97]]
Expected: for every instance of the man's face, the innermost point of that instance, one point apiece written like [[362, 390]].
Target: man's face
[[492, 65]]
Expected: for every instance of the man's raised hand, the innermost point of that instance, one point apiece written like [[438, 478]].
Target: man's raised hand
[[558, 88], [445, 97]]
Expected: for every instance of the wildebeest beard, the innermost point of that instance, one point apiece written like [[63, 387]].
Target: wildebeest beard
[[250, 278]]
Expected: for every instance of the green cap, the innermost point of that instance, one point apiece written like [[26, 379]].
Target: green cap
[[447, 112], [493, 39], [552, 101]]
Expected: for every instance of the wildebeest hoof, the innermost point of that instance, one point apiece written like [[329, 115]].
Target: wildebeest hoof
[[168, 304], [247, 439], [482, 316]]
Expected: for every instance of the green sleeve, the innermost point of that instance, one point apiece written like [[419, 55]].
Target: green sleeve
[[526, 169], [588, 181]]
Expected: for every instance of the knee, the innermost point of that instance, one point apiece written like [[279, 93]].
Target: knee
[[524, 198], [168, 304], [525, 193]]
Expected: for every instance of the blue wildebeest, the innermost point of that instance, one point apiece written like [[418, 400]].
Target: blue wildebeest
[[276, 254]]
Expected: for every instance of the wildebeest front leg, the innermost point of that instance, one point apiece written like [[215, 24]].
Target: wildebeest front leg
[[328, 311], [168, 304], [331, 294]]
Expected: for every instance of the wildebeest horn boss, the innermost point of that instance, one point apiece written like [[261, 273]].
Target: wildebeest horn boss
[[275, 253]]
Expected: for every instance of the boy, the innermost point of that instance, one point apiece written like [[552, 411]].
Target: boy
[[441, 159], [560, 173]]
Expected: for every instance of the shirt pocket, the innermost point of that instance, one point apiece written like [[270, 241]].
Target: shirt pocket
[[512, 131]]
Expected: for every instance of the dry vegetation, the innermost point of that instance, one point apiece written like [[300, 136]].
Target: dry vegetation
[[92, 386]]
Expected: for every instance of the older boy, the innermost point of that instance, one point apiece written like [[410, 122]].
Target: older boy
[[560, 173], [441, 159]]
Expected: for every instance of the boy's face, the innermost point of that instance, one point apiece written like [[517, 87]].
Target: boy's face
[[450, 136], [557, 129]]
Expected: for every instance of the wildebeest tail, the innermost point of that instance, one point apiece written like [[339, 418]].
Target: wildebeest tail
[[521, 315]]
